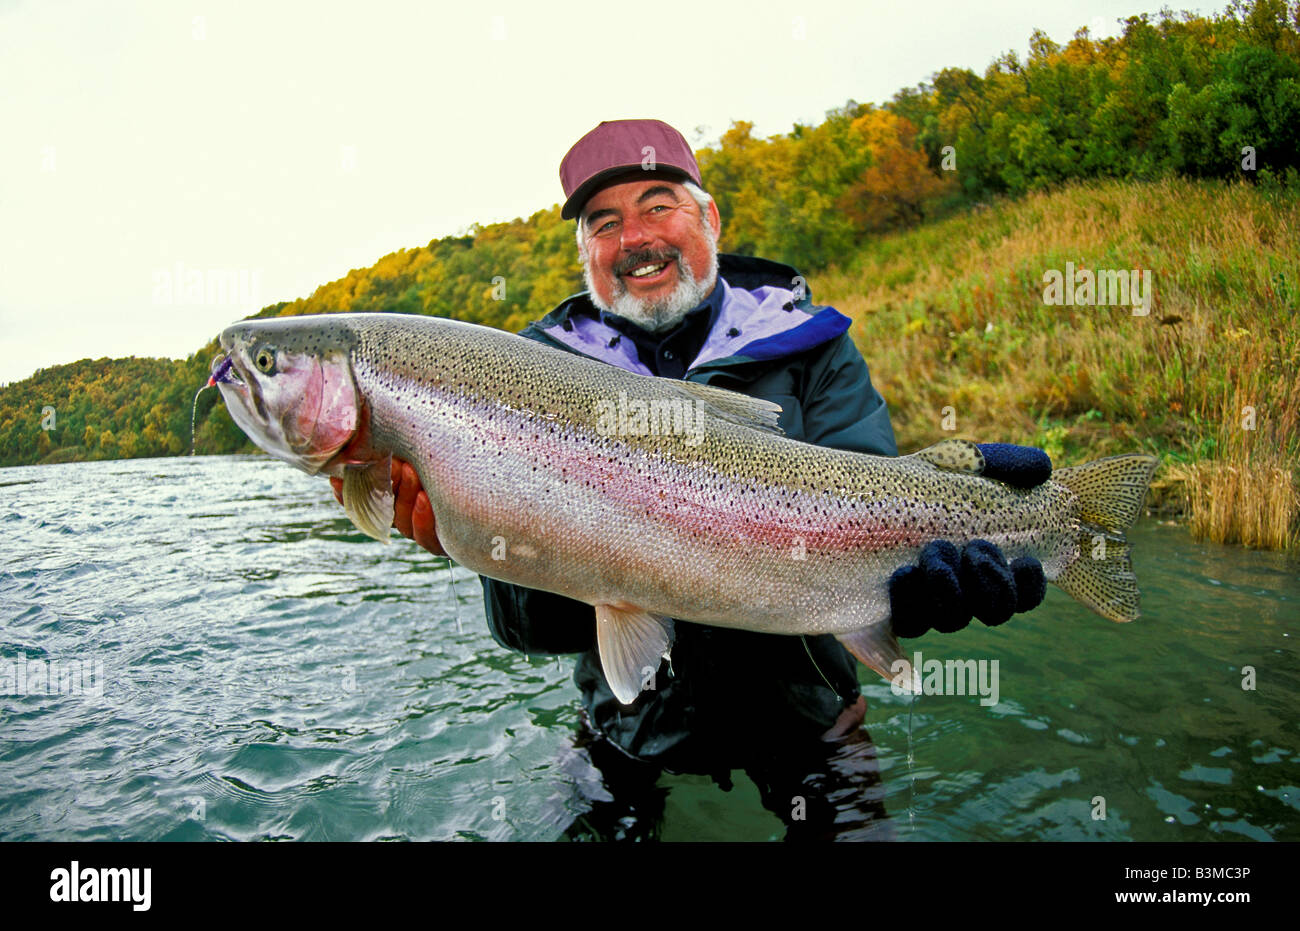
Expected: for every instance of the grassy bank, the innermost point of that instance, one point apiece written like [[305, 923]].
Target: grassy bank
[[952, 321]]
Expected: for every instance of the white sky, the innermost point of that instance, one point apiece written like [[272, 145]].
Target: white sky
[[291, 142]]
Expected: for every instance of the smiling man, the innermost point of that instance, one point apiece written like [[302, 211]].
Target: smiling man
[[632, 268], [661, 300]]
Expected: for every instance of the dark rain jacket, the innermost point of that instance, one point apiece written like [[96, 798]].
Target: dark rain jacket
[[723, 688]]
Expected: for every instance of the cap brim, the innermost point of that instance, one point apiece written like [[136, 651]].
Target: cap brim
[[573, 206]]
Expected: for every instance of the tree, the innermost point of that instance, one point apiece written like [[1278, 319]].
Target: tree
[[896, 188]]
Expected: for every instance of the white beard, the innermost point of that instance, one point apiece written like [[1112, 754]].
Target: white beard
[[662, 315]]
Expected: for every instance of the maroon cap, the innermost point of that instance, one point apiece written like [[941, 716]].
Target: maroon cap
[[616, 147]]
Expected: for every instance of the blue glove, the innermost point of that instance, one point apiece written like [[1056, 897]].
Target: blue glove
[[1022, 466], [946, 586]]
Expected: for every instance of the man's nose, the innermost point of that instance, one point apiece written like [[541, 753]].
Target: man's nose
[[635, 234]]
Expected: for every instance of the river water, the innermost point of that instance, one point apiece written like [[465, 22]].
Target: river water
[[233, 660]]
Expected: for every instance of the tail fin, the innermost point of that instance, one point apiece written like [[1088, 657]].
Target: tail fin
[[1110, 495]]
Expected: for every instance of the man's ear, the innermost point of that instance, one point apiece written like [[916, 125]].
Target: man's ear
[[715, 219]]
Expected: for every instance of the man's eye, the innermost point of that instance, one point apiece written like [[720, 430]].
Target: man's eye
[[604, 226]]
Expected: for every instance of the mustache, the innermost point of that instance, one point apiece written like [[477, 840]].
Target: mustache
[[624, 266]]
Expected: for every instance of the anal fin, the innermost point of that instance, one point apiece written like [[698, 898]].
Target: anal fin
[[878, 648], [631, 643]]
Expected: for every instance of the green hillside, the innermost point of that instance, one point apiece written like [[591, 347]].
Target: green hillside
[[952, 321]]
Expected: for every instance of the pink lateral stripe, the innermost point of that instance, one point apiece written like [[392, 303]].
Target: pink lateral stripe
[[764, 523]]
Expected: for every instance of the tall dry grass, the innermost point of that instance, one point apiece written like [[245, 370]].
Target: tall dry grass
[[952, 321]]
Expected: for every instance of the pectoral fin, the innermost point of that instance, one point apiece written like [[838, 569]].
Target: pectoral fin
[[954, 456], [631, 644], [368, 497]]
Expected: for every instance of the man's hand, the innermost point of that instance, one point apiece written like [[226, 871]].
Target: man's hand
[[412, 514], [946, 586]]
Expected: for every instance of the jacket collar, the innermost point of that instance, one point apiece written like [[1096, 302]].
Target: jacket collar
[[762, 317]]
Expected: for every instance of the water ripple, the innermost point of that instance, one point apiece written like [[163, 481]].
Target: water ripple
[[253, 668]]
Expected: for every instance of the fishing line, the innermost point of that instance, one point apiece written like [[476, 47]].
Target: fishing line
[[219, 372], [911, 760], [455, 599], [804, 641], [911, 757], [194, 412]]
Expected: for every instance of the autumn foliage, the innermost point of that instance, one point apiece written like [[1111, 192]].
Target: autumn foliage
[[898, 185]]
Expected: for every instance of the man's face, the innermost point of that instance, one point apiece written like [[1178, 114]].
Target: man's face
[[654, 228]]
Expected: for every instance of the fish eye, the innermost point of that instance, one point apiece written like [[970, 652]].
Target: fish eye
[[265, 360]]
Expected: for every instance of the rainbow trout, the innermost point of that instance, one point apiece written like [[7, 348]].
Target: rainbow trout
[[650, 498]]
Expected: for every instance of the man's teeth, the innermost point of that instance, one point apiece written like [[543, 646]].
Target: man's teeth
[[648, 270]]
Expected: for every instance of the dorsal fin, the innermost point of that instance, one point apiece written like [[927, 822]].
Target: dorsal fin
[[732, 406]]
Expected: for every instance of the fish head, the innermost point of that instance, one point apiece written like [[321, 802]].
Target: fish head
[[287, 383]]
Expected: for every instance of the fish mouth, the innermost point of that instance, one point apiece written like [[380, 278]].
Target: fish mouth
[[222, 369], [228, 372]]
